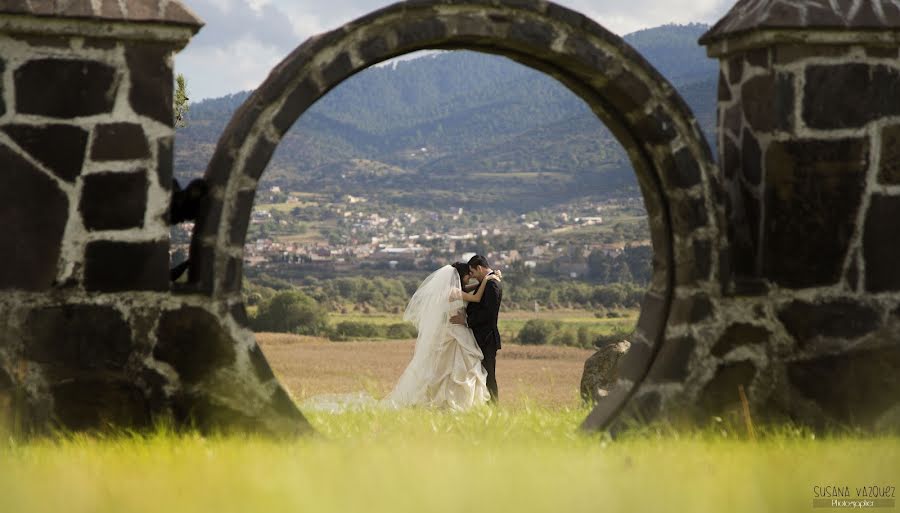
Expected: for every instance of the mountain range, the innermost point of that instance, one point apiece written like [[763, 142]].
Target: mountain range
[[460, 128]]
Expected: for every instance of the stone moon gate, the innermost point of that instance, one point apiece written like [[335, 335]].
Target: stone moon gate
[[771, 271]]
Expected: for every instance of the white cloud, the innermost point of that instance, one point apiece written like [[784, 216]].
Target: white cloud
[[244, 39]]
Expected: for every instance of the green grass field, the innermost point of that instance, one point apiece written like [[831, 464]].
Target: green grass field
[[517, 460]]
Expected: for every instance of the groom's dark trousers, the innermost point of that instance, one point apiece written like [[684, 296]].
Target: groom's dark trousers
[[482, 318]]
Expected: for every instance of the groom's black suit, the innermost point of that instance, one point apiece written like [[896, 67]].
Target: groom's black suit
[[482, 318]]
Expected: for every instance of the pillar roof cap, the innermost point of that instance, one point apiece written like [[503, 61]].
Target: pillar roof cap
[[755, 15], [166, 12]]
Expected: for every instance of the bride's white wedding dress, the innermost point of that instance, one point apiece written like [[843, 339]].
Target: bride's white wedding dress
[[445, 371]]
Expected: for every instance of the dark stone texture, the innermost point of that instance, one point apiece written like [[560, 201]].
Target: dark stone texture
[[671, 363], [373, 50], [768, 102], [690, 310], [338, 69], [121, 266], [646, 406], [101, 44], [282, 403], [688, 170], [635, 362], [854, 387], [601, 371], [655, 128], [6, 381], [199, 412], [788, 53], [194, 342], [78, 336], [733, 121], [259, 157], [201, 274], [221, 165], [853, 275], [164, 162], [699, 267], [33, 212], [2, 101], [44, 41], [827, 105], [889, 172], [724, 89], [616, 95], [735, 70], [305, 94], [189, 203], [114, 201], [805, 242], [737, 335], [119, 141], [239, 314], [635, 88], [234, 275], [90, 88], [60, 148], [535, 34], [758, 57], [689, 215], [242, 211], [731, 157], [419, 32], [260, 364], [651, 321], [881, 244], [842, 318], [151, 81], [881, 52], [752, 208], [751, 158], [721, 393], [87, 404]]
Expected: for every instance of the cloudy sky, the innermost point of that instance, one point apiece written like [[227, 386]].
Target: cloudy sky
[[244, 39]]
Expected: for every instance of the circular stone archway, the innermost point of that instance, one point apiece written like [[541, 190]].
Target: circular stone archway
[[674, 165]]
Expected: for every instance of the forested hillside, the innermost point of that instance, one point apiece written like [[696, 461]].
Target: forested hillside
[[460, 128]]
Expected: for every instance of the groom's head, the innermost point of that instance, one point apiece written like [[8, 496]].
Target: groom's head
[[479, 267]]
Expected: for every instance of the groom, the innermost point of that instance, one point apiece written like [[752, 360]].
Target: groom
[[482, 318]]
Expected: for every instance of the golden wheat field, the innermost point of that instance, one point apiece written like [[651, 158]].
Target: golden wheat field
[[545, 375]]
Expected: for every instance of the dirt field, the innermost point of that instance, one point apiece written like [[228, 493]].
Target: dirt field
[[309, 366]]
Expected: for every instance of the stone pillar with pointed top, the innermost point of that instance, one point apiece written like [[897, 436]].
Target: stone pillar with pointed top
[[91, 336], [808, 133]]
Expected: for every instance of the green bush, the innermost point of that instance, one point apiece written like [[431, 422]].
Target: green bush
[[565, 338], [401, 331], [291, 311], [538, 332], [356, 329]]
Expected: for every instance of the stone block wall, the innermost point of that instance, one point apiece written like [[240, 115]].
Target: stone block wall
[[809, 322], [92, 336]]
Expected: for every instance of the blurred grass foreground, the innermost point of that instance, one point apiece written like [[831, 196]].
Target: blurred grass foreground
[[520, 458]]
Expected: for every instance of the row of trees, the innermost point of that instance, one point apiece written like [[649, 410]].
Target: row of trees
[[520, 292]]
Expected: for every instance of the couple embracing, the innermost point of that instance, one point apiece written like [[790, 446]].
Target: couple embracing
[[454, 362]]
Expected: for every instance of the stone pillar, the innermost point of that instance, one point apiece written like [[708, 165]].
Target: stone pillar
[[808, 131], [90, 334]]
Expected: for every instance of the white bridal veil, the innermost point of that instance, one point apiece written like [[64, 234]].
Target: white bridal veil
[[429, 310]]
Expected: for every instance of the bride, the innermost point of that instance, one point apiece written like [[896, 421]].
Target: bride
[[446, 370]]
